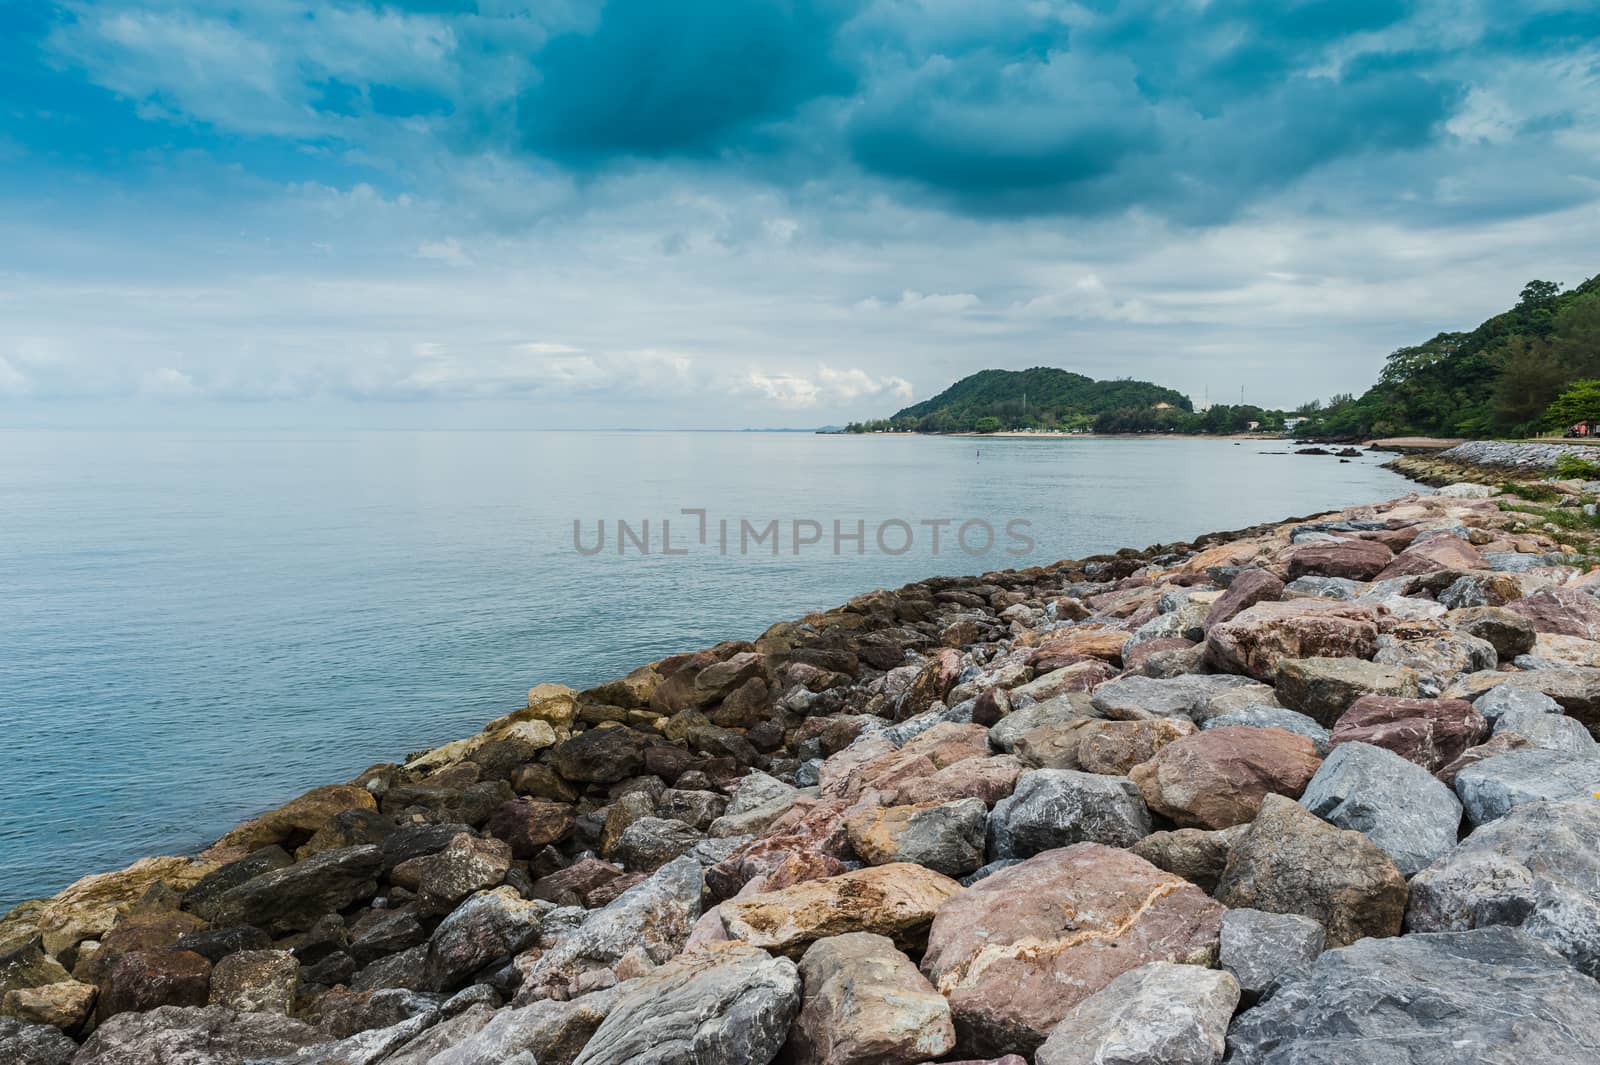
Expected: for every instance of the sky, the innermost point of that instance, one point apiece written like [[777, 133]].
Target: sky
[[730, 213]]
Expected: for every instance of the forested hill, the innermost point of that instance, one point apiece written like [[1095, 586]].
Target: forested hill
[[1040, 398], [1496, 380]]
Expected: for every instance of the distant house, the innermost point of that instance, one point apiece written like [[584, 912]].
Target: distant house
[[1253, 426], [1290, 423], [1584, 429], [1162, 406]]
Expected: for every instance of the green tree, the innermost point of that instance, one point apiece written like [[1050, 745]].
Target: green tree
[[1579, 403], [1530, 379], [1538, 293], [987, 425]]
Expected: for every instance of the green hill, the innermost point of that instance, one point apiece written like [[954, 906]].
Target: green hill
[[1495, 380], [1040, 398]]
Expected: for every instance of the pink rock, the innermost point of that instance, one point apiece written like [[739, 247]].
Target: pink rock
[[1255, 641], [1356, 560], [1219, 777], [1249, 587], [1429, 732], [1562, 611], [1437, 552]]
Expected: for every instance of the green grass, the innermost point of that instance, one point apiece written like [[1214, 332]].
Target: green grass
[[1533, 493]]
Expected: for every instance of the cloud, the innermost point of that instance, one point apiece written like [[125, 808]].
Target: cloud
[[445, 251], [826, 387]]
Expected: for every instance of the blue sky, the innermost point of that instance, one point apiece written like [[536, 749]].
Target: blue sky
[[748, 212]]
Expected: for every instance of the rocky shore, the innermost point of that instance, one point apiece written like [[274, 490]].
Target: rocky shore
[[1312, 793], [1490, 461]]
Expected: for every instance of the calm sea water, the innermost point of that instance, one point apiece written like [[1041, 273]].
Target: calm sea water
[[196, 626]]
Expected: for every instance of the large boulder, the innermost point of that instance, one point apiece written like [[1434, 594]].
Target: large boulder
[[1053, 808], [1012, 967], [1117, 746], [1324, 688], [896, 900], [188, 1035], [467, 864], [1538, 867], [1291, 861], [1218, 777], [729, 1006], [1432, 554], [1142, 698], [867, 1002], [1356, 560], [1552, 732], [1429, 732], [600, 756], [551, 1032], [1259, 948], [294, 898], [1157, 1014], [1493, 787], [256, 981], [1398, 804], [143, 980], [1507, 631], [491, 927], [945, 837], [1421, 1000], [1258, 639], [1562, 611], [1249, 587], [23, 1043], [1576, 688]]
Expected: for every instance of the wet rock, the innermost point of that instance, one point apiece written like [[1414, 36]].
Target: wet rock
[[1157, 1014], [646, 925], [467, 864], [143, 980], [1491, 788], [1117, 746], [529, 826], [866, 1001], [1398, 804], [600, 756], [1259, 948], [1218, 777], [1324, 688], [1053, 808], [486, 929], [1192, 853], [23, 1043], [1258, 639], [256, 981], [1429, 732], [897, 900], [731, 1006], [1507, 631], [1421, 999], [1274, 717], [945, 837], [1291, 861], [1010, 966]]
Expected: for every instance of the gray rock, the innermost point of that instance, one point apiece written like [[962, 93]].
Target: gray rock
[[488, 928], [724, 1007], [1158, 1014], [1492, 787], [372, 1046], [1274, 717], [1514, 561], [1341, 588], [35, 1044], [1053, 808], [651, 919], [550, 1032], [1424, 1000], [1259, 947], [256, 981], [651, 842], [947, 838], [1503, 698], [1398, 804], [1552, 732], [756, 789], [1538, 868], [1009, 730], [195, 1035], [866, 1001], [291, 899], [1136, 698], [422, 1049]]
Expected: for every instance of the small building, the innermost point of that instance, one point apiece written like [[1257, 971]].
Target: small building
[[1253, 426], [1584, 429], [1289, 424]]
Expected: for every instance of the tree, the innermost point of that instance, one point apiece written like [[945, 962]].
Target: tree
[[987, 425], [1538, 293], [1529, 380], [1579, 403]]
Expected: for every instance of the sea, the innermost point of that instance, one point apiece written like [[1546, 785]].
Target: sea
[[197, 626]]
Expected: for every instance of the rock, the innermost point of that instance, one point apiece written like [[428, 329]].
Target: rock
[[1142, 698], [1258, 639], [937, 676], [1510, 633], [697, 809], [1429, 732], [89, 907], [216, 944], [1575, 688], [1437, 552], [1493, 747], [202, 898], [1009, 732], [1563, 651], [291, 899], [1398, 804], [866, 1002], [575, 884], [1053, 808], [484, 930], [1535, 868], [897, 900], [647, 923], [1324, 688], [1439, 660], [22, 1043], [1017, 950], [990, 779], [1218, 777], [550, 1032], [529, 826], [555, 704], [1192, 853], [1563, 611], [142, 980], [1056, 746], [1290, 861], [1259, 948], [29, 966], [1355, 560], [1249, 587], [945, 837], [1504, 698], [731, 1006], [651, 842], [212, 1035], [65, 1004], [1421, 1000], [256, 981], [600, 756], [1552, 732], [300, 817], [1274, 717], [1117, 746], [1157, 1014], [1491, 788], [466, 864]]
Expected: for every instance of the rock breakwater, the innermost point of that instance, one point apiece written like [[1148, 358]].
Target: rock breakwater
[[1490, 461], [1286, 794]]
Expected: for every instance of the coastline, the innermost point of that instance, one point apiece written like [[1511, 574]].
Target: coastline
[[757, 768]]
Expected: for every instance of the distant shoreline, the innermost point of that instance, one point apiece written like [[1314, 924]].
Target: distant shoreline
[[1020, 434]]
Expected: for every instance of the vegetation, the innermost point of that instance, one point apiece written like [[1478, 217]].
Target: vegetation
[[1500, 379], [1040, 398], [1572, 468]]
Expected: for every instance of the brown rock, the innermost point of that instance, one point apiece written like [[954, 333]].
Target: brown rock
[[1057, 744], [745, 707], [897, 901], [1356, 560], [937, 676], [1192, 853], [1249, 587], [1117, 746], [876, 764], [1561, 611], [576, 883], [1437, 552], [1429, 732], [1218, 778], [990, 779], [1018, 949], [256, 981], [300, 817], [1497, 744], [945, 837], [1291, 861], [529, 826], [146, 979], [1324, 688], [466, 864], [1509, 632], [866, 1002], [89, 907], [1076, 644], [65, 1005], [1257, 640]]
